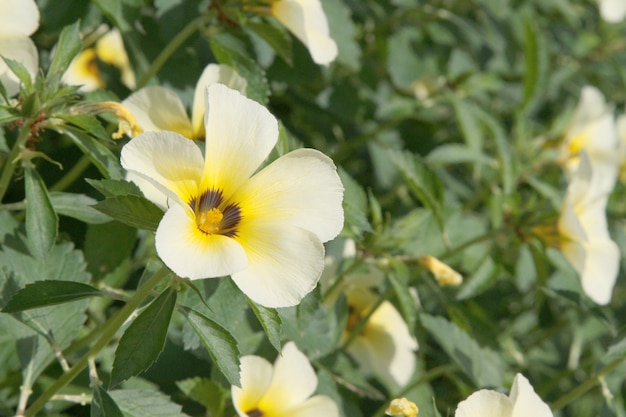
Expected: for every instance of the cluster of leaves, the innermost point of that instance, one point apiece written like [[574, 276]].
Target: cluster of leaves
[[442, 117]]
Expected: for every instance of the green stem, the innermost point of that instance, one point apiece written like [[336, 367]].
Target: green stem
[[108, 332], [71, 176], [585, 386], [171, 47], [12, 160]]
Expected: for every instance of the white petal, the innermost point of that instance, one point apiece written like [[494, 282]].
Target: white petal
[[600, 269], [613, 11], [294, 381], [307, 21], [193, 254], [317, 406], [240, 135], [21, 49], [150, 191], [171, 162], [256, 376], [525, 401], [485, 403], [18, 17], [157, 109], [284, 263], [213, 73], [301, 188]]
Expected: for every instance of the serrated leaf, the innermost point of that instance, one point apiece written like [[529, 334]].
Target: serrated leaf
[[68, 46], [102, 405], [88, 123], [258, 88], [132, 210], [103, 159], [144, 340], [77, 206], [424, 183], [20, 71], [41, 221], [484, 366], [270, 321], [46, 293], [278, 39], [220, 344], [206, 392], [112, 188], [146, 403]]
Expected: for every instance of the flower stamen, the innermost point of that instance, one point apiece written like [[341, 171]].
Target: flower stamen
[[255, 413]]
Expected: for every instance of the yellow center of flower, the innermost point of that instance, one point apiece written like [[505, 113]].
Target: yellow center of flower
[[214, 215]]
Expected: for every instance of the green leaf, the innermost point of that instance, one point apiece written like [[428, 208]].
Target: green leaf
[[536, 60], [107, 246], [102, 405], [615, 351], [45, 293], [220, 344], [206, 392], [354, 205], [424, 183], [42, 222], [270, 320], [505, 155], [77, 206], [275, 37], [20, 71], [68, 46], [113, 188], [144, 340], [399, 279], [132, 210], [258, 88], [344, 32], [88, 123], [469, 123], [456, 153], [121, 12], [146, 403], [484, 366], [103, 159]]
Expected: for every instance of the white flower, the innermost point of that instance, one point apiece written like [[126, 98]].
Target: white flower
[[585, 241], [160, 109], [612, 11], [521, 402], [18, 20], [265, 229], [384, 347], [282, 390], [307, 21], [109, 48], [593, 130]]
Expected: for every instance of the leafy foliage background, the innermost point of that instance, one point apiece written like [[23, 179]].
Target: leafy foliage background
[[443, 118]]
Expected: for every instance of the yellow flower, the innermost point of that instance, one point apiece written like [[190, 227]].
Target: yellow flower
[[282, 390], [585, 240], [522, 401], [402, 407], [384, 347], [109, 48], [307, 21], [18, 20], [265, 229]]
